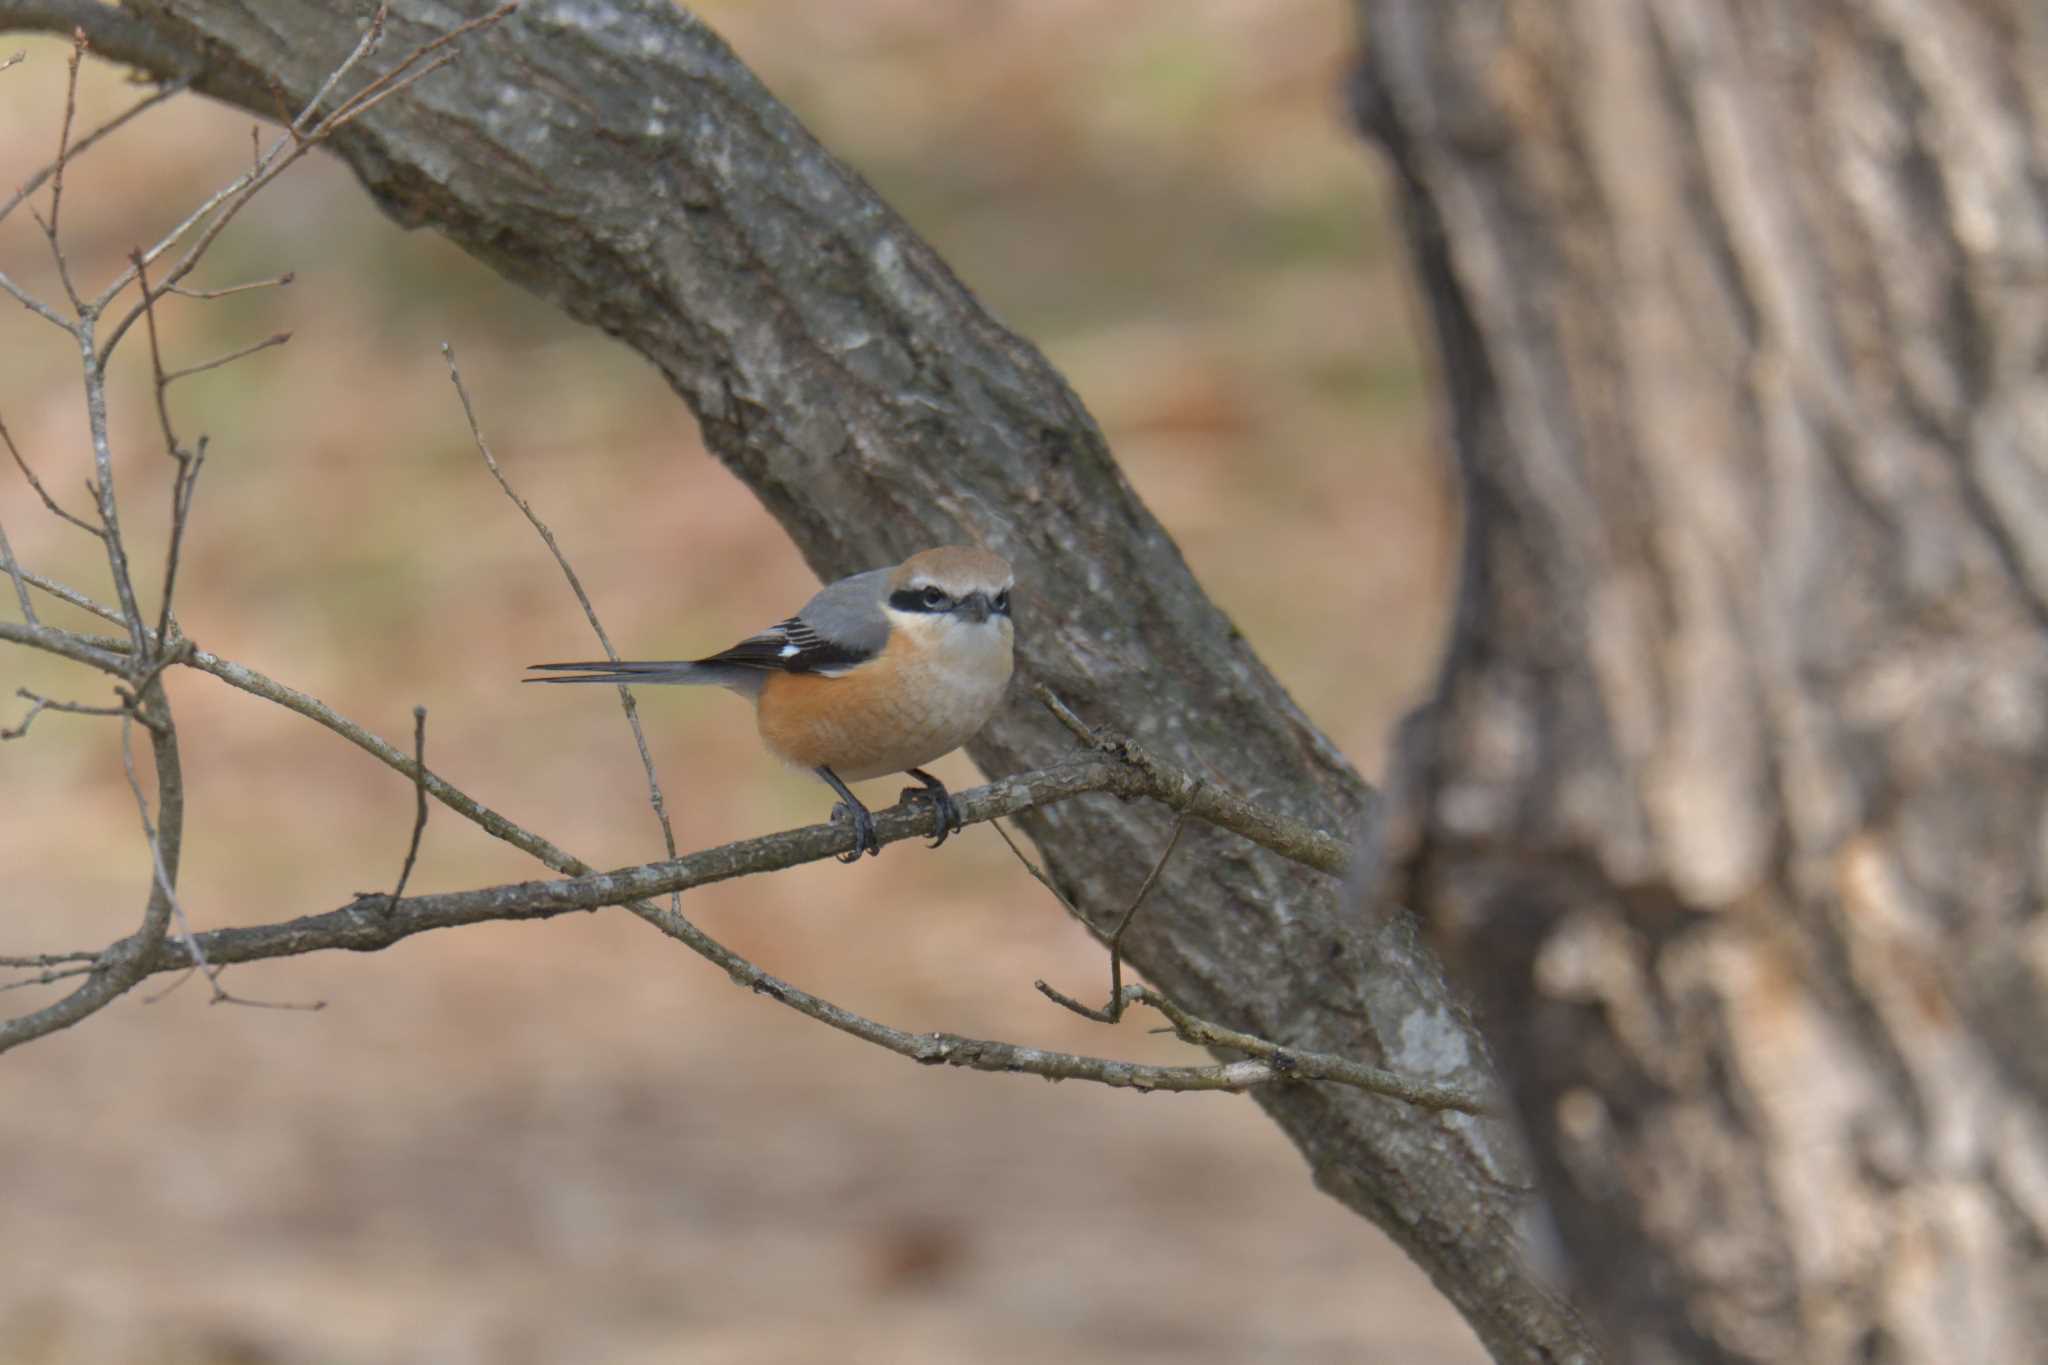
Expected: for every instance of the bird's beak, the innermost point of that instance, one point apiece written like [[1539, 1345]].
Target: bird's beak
[[974, 606]]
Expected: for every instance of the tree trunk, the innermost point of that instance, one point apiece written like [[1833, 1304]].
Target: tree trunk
[[1730, 805], [624, 164]]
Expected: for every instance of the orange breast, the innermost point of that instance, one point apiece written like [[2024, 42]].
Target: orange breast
[[903, 709]]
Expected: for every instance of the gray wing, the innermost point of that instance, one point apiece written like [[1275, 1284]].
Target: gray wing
[[840, 627], [845, 620]]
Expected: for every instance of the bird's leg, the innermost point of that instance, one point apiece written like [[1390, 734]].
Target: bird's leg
[[945, 815], [849, 807]]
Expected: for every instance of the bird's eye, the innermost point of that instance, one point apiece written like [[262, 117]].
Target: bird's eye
[[935, 598], [1003, 601]]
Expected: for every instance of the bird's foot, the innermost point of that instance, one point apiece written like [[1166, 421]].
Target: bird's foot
[[945, 813], [864, 840]]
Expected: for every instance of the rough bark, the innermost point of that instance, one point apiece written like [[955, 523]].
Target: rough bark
[[621, 162], [1730, 806]]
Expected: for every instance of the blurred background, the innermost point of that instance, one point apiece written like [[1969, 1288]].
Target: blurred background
[[573, 1141]]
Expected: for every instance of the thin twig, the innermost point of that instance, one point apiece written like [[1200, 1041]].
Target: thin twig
[[239, 190], [402, 75], [164, 880], [16, 60], [78, 148], [37, 484], [102, 485], [1289, 1062], [1113, 1012], [39, 704], [190, 462], [275, 339], [44, 978], [277, 283], [64, 592], [156, 355], [1116, 939], [50, 225], [1210, 801], [34, 304], [47, 959], [185, 938], [419, 787], [1038, 874], [373, 37], [1315, 1066], [626, 701], [182, 487], [212, 217], [28, 606]]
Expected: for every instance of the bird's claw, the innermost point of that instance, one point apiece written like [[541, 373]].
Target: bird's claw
[[945, 811], [864, 840]]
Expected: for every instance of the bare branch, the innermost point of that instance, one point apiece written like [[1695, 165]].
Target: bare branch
[[125, 962], [212, 217], [278, 283], [375, 922], [190, 462], [16, 60], [34, 304], [275, 339], [65, 593], [185, 939], [50, 225], [626, 700], [28, 606], [37, 484], [419, 787], [1313, 1066], [358, 927], [48, 959], [103, 493], [90, 650], [39, 704], [1207, 801], [44, 978], [1114, 1010], [402, 75], [164, 881], [312, 708], [156, 355], [373, 36], [182, 487], [78, 148]]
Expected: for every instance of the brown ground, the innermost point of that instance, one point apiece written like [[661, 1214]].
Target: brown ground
[[572, 1142]]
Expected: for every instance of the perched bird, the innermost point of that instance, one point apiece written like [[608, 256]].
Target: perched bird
[[881, 672]]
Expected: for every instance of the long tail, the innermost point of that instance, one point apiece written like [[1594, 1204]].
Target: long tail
[[648, 671]]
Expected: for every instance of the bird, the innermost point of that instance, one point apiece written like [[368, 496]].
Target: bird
[[880, 672]]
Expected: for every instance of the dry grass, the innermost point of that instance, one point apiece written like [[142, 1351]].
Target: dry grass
[[572, 1142]]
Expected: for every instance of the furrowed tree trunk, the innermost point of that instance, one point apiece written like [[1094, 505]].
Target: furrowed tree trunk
[[1729, 810], [621, 162]]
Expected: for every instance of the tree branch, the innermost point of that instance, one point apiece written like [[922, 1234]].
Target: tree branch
[[121, 964], [376, 921]]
